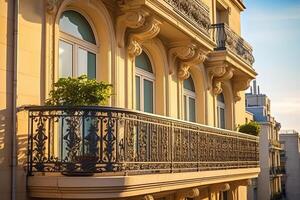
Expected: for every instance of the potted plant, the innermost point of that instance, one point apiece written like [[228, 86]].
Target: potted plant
[[80, 91], [252, 128]]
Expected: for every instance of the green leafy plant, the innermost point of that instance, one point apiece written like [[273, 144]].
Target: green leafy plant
[[79, 91], [252, 128]]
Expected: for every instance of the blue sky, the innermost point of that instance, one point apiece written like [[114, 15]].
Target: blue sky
[[272, 27]]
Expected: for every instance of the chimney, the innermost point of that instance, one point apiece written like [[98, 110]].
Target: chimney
[[254, 87], [251, 90], [258, 90]]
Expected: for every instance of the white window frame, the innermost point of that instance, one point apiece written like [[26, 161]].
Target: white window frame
[[145, 75], [221, 105], [188, 94], [78, 43]]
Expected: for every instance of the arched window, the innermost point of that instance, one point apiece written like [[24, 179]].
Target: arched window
[[144, 83], [189, 100], [221, 111], [77, 46]]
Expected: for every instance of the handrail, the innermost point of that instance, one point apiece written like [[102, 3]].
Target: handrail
[[95, 139]]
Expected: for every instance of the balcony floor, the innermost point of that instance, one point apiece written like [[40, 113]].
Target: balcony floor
[[55, 185]]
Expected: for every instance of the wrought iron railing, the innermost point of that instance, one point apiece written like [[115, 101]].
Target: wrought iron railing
[[194, 11], [277, 170], [104, 139], [227, 39]]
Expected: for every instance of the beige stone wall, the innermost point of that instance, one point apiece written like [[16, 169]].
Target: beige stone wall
[[37, 69], [6, 52]]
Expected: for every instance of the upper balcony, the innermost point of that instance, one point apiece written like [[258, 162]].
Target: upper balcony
[[227, 39], [127, 149]]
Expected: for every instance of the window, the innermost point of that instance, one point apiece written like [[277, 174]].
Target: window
[[221, 111], [77, 46], [144, 83], [189, 100]]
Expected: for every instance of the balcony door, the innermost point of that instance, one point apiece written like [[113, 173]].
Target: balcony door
[[77, 56], [144, 84], [189, 100]]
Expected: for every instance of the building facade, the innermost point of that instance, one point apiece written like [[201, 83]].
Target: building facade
[[268, 183], [290, 159], [178, 69]]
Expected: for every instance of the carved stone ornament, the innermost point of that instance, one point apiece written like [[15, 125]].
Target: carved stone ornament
[[188, 55], [220, 187], [190, 193], [240, 84], [148, 197], [146, 32], [218, 73], [52, 5], [131, 19]]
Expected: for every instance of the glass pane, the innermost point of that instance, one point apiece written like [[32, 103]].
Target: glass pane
[[65, 59], [91, 65], [148, 96], [189, 84], [192, 112], [137, 93], [222, 118], [142, 61], [185, 108], [86, 63], [75, 24], [82, 61], [221, 98]]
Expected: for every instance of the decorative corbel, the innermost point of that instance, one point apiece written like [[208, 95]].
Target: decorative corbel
[[52, 5], [217, 82], [220, 187], [146, 32], [240, 84], [217, 73], [131, 19], [148, 197], [188, 54], [190, 193]]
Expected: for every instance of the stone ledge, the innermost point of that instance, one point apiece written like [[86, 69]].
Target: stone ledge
[[63, 187]]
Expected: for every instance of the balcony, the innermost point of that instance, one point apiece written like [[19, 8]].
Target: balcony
[[279, 170], [227, 39], [195, 12], [117, 149], [275, 144]]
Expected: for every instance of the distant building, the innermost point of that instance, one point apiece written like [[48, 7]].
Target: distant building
[[268, 184], [290, 158]]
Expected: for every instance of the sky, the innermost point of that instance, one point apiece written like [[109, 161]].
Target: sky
[[272, 27]]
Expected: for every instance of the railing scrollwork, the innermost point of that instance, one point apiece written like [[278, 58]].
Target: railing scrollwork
[[76, 140]]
